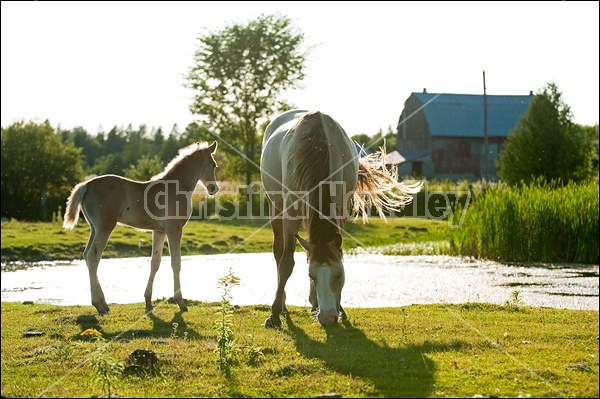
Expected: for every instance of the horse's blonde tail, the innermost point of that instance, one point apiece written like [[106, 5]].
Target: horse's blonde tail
[[379, 187], [74, 205]]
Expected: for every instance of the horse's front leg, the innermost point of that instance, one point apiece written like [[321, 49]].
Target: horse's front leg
[[174, 237], [343, 314], [158, 242], [277, 227], [285, 266], [284, 271]]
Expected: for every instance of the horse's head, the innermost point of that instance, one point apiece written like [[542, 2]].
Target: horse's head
[[209, 168], [326, 272]]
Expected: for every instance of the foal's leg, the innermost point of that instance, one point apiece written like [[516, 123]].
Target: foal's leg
[[174, 236], [92, 255], [158, 242]]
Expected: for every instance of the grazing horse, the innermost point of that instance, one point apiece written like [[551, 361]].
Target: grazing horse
[[163, 205], [313, 176]]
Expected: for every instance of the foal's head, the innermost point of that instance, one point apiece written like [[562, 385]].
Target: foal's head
[[196, 159], [326, 272], [208, 169]]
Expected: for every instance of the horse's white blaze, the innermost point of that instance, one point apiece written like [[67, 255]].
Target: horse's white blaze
[[327, 297]]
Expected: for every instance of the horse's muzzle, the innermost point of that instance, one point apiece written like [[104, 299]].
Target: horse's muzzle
[[328, 319]]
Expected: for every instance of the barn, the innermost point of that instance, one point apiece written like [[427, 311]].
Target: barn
[[443, 135]]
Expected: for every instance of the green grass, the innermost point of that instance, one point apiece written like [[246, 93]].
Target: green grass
[[23, 241], [413, 351]]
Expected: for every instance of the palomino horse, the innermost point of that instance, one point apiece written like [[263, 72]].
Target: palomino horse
[[163, 204], [312, 175]]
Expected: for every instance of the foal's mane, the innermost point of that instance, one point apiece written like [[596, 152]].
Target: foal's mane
[[310, 165], [183, 154]]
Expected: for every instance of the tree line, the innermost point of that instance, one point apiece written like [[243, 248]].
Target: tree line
[[41, 164]]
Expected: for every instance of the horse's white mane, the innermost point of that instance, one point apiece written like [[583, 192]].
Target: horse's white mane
[[380, 188]]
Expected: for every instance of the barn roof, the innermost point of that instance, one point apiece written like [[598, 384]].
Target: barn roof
[[462, 114]]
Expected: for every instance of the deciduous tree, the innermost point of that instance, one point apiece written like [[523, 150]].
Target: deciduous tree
[[239, 72], [38, 171]]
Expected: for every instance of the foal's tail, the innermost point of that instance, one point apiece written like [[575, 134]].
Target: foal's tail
[[74, 205], [378, 186]]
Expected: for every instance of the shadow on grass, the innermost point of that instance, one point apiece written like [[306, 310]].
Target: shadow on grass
[[165, 329], [161, 329], [399, 371]]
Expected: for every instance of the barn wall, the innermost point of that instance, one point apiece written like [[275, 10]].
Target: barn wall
[[463, 158], [413, 133]]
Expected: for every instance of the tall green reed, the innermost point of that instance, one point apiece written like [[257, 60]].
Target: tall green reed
[[540, 222]]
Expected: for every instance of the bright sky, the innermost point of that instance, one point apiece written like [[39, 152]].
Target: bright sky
[[101, 64]]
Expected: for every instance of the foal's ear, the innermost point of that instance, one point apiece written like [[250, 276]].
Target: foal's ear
[[305, 244], [213, 147]]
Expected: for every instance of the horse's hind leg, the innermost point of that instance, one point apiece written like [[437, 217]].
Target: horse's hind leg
[[158, 242], [92, 255]]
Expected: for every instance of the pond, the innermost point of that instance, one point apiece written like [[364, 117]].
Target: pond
[[371, 281]]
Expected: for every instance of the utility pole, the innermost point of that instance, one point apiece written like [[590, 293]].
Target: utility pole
[[485, 133]]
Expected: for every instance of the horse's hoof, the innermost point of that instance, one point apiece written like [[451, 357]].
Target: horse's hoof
[[103, 311], [270, 324], [343, 315]]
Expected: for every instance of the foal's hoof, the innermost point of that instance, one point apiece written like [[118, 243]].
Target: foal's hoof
[[179, 302], [269, 323]]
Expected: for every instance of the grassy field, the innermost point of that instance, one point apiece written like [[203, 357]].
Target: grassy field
[[216, 350], [22, 241], [414, 351]]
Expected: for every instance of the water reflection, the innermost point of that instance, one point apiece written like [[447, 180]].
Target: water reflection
[[371, 281]]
